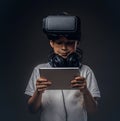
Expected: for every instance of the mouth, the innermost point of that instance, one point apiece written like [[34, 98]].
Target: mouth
[[64, 54]]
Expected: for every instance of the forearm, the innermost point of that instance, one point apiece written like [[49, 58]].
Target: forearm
[[34, 102], [90, 103]]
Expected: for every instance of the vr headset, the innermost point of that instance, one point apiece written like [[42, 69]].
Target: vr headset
[[60, 25]]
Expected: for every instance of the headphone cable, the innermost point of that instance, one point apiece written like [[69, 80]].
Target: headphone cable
[[66, 115]]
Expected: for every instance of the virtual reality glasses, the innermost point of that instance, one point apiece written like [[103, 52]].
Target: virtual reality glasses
[[60, 25]]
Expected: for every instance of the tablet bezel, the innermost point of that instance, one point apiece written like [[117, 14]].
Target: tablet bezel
[[60, 77]]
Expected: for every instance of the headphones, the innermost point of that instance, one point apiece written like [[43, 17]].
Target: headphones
[[73, 60]]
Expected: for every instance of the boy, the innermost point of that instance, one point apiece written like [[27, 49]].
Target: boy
[[63, 105]]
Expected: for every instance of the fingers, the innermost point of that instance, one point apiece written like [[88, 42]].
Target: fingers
[[79, 78], [42, 81], [79, 82], [42, 84]]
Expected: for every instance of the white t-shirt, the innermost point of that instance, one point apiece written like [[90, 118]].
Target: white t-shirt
[[63, 105]]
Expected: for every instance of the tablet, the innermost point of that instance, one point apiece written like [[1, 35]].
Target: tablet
[[60, 77]]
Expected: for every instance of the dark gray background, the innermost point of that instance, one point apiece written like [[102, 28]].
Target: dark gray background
[[23, 46]]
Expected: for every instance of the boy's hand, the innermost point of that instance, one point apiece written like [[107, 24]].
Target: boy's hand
[[42, 84], [80, 83]]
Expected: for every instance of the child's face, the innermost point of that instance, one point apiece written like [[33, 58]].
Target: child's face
[[63, 46]]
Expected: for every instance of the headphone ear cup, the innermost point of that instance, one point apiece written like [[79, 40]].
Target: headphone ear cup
[[50, 59], [73, 60], [59, 61]]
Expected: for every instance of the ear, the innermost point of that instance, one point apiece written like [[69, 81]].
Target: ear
[[51, 43], [78, 43]]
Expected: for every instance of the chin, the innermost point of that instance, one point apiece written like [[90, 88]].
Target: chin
[[64, 57]]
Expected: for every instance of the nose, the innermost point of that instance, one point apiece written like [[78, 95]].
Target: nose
[[64, 46]]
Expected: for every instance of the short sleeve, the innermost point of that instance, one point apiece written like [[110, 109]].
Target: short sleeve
[[31, 86], [92, 84]]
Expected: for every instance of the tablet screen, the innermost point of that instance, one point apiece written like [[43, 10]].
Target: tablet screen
[[60, 77]]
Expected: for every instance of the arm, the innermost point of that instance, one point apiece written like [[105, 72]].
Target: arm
[[90, 102], [34, 102]]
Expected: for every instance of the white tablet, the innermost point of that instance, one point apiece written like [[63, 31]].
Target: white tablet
[[60, 77]]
